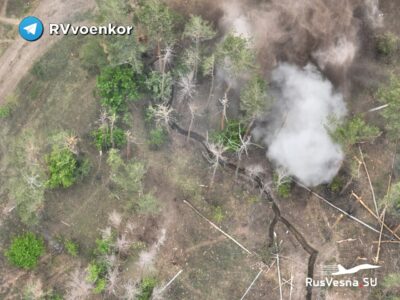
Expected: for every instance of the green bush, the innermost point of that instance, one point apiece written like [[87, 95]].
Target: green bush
[[103, 246], [71, 247], [157, 138], [218, 214], [63, 168], [95, 275], [354, 131], [146, 288], [387, 44], [5, 111], [159, 86], [25, 250], [336, 185], [117, 86], [390, 95], [283, 188], [148, 205], [102, 138], [230, 136]]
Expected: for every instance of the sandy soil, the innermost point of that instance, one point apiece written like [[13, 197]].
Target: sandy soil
[[20, 56]]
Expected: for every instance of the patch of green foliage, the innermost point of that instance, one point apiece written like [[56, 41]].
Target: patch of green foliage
[[392, 200], [117, 86], [157, 137], [71, 247], [159, 85], [103, 246], [387, 44], [95, 275], [5, 111], [93, 56], [146, 288], [125, 50], [158, 21], [8, 106], [148, 204], [218, 214], [63, 168], [25, 250], [336, 185], [230, 136], [104, 141], [235, 54], [390, 95], [27, 182], [113, 11], [354, 131], [284, 186], [254, 98], [127, 177]]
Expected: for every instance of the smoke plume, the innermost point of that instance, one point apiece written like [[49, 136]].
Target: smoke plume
[[301, 144]]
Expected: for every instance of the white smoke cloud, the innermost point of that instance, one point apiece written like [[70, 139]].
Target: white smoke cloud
[[301, 144]]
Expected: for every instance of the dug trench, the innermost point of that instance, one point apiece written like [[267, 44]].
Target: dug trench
[[313, 253]]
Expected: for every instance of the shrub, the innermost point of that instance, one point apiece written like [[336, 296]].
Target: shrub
[[390, 95], [354, 131], [230, 136], [102, 138], [336, 185], [5, 111], [218, 214], [103, 246], [157, 138], [63, 168], [25, 250], [146, 288], [283, 185], [117, 86], [71, 247], [95, 275], [148, 204], [387, 44], [159, 85]]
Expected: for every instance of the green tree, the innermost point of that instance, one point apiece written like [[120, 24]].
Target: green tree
[[124, 50], [114, 11], [254, 99], [235, 55], [158, 22], [63, 168], [159, 85], [117, 86], [104, 139], [353, 131], [157, 137], [25, 250], [390, 95], [198, 30]]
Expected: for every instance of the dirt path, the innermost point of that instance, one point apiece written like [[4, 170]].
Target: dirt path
[[20, 55], [4, 9]]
